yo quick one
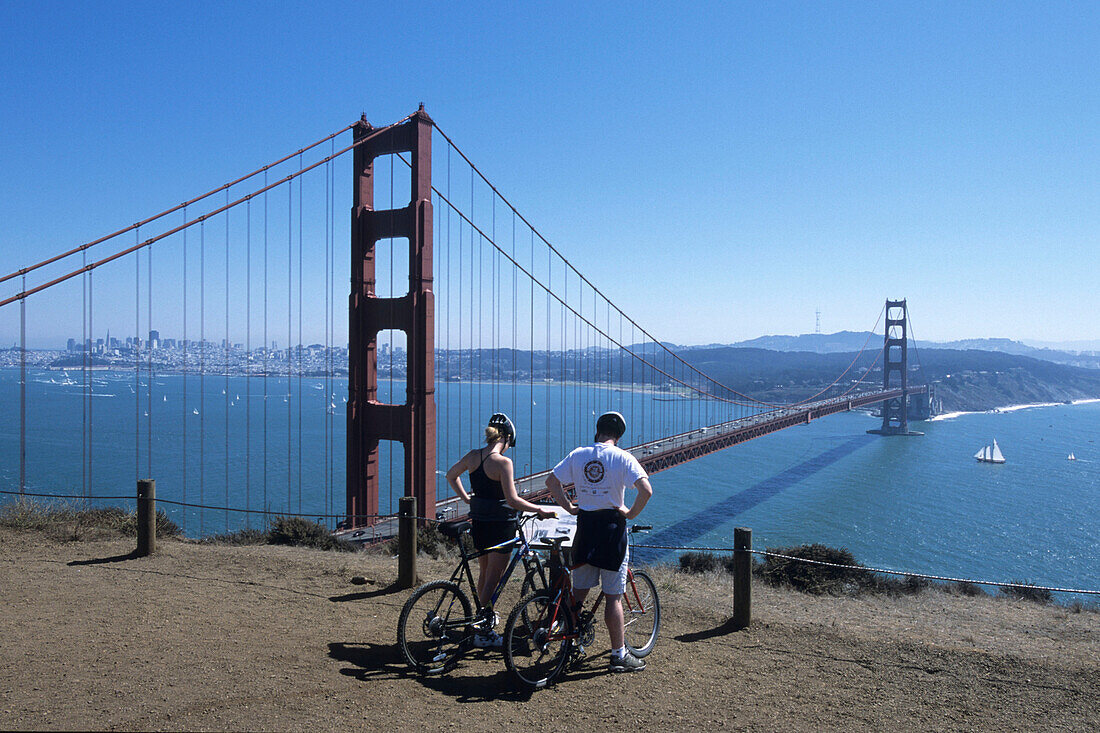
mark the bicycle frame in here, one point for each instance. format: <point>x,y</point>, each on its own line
<point>562,588</point>
<point>522,551</point>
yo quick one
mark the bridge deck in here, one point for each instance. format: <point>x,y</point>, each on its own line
<point>665,453</point>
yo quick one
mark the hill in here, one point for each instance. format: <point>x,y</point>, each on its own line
<point>852,341</point>
<point>206,637</point>
<point>964,380</point>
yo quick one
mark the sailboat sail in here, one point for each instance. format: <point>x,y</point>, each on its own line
<point>990,454</point>
<point>998,457</point>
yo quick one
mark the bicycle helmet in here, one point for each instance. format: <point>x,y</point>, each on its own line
<point>612,424</point>
<point>501,422</point>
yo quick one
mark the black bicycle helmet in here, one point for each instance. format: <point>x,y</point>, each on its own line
<point>501,422</point>
<point>612,424</point>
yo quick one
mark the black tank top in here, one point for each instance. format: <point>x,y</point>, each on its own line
<point>487,503</point>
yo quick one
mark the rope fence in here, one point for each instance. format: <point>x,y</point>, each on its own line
<point>864,568</point>
<point>673,548</point>
<point>210,507</point>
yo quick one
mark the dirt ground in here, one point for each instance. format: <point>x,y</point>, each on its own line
<point>203,637</point>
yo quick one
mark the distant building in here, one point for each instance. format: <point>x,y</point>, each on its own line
<point>154,336</point>
<point>70,345</point>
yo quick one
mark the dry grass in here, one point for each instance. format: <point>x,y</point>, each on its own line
<point>73,522</point>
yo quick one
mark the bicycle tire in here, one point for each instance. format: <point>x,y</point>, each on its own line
<point>432,630</point>
<point>533,582</point>
<point>641,624</point>
<point>536,651</point>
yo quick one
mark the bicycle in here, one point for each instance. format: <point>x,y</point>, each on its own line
<point>547,631</point>
<point>437,623</point>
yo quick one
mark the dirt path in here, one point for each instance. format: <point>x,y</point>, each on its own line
<point>275,638</point>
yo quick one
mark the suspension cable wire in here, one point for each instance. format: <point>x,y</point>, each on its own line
<point>495,287</point>
<point>390,334</point>
<point>666,353</point>
<point>449,307</point>
<point>330,396</point>
<point>136,389</point>
<point>266,343</point>
<point>23,393</point>
<point>332,322</point>
<point>200,219</point>
<point>289,338</point>
<point>913,342</point>
<point>185,345</point>
<point>91,385</point>
<point>225,388</point>
<point>149,366</point>
<point>202,374</point>
<point>174,209</point>
<point>248,361</point>
<point>531,406</point>
<point>301,455</point>
<point>84,381</point>
<point>687,365</point>
<point>477,305</point>
<point>513,308</point>
<point>564,304</point>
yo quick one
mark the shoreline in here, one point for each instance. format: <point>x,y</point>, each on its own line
<point>1010,408</point>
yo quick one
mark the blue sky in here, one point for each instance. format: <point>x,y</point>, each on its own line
<point>720,170</point>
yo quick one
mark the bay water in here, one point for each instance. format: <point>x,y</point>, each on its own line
<point>919,504</point>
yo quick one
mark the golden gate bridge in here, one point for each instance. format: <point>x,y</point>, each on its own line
<point>455,298</point>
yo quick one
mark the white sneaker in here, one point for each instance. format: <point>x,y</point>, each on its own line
<point>488,640</point>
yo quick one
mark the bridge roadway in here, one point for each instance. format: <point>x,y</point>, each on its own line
<point>665,453</point>
<point>659,455</point>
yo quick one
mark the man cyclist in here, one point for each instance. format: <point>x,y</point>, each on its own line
<point>600,473</point>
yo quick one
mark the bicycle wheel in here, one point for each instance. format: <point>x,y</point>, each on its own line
<point>432,629</point>
<point>533,582</point>
<point>641,614</point>
<point>537,640</point>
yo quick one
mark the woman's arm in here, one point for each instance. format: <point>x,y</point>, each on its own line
<point>508,484</point>
<point>454,478</point>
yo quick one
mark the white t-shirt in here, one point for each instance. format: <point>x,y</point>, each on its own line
<point>600,473</point>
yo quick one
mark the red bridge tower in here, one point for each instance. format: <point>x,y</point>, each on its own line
<point>369,421</point>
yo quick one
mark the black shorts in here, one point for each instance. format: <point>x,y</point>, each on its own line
<point>486,534</point>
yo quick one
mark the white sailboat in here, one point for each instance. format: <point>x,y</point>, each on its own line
<point>990,454</point>
<point>1071,457</point>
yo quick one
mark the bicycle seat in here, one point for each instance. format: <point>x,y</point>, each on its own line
<point>454,529</point>
<point>553,541</point>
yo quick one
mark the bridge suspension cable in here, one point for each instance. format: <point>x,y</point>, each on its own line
<point>174,209</point>
<point>186,225</point>
<point>536,233</point>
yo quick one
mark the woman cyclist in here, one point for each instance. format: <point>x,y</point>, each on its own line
<point>493,505</point>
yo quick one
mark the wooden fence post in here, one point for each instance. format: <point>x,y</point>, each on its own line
<point>742,577</point>
<point>406,542</point>
<point>146,517</point>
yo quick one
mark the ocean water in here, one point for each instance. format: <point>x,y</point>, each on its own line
<point>920,504</point>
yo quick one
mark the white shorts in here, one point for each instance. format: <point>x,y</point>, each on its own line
<point>612,582</point>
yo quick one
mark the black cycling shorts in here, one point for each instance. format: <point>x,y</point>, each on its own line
<point>486,534</point>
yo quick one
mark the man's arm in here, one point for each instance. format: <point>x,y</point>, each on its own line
<point>558,493</point>
<point>645,490</point>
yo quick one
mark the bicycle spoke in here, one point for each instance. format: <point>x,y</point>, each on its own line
<point>433,629</point>
<point>537,640</point>
<point>641,614</point>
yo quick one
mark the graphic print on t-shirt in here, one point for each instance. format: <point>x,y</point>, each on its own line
<point>594,471</point>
